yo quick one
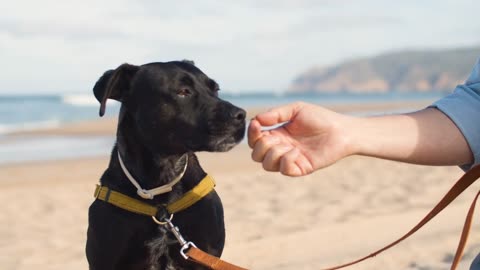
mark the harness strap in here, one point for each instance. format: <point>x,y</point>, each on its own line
<point>211,262</point>
<point>202,189</point>
<point>192,196</point>
<point>125,202</point>
<point>463,183</point>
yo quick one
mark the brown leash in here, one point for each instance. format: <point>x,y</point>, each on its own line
<point>189,250</point>
<point>196,255</point>
<point>463,183</point>
<point>209,261</point>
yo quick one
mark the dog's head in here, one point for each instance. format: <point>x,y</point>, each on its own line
<point>173,106</point>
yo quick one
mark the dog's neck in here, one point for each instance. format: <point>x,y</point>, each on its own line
<point>149,169</point>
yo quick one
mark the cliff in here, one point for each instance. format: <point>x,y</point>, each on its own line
<point>429,70</point>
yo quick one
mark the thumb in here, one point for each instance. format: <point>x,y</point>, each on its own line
<point>278,115</point>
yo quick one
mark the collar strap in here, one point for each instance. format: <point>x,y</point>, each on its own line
<point>202,189</point>
<point>150,193</point>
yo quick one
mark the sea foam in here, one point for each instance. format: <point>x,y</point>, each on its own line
<point>80,100</point>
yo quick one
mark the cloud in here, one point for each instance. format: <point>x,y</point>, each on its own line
<point>63,30</point>
<point>248,44</point>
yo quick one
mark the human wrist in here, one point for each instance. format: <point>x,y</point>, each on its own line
<point>348,133</point>
<point>359,136</point>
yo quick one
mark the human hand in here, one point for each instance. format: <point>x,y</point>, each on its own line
<point>312,138</point>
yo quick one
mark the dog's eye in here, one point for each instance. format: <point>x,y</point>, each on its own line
<point>184,92</point>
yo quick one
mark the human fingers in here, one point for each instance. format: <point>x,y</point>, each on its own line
<point>262,146</point>
<point>271,161</point>
<point>279,114</point>
<point>293,163</point>
<point>254,132</point>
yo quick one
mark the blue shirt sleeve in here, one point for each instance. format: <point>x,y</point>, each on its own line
<point>463,107</point>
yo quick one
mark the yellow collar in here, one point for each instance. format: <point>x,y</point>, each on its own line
<point>202,189</point>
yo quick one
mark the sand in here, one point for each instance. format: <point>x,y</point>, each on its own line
<point>272,221</point>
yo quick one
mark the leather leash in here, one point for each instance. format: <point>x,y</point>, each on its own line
<point>189,251</point>
<point>214,263</point>
<point>463,183</point>
<point>196,255</point>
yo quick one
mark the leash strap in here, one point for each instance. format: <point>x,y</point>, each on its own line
<point>196,255</point>
<point>463,183</point>
<point>465,233</point>
<point>189,251</point>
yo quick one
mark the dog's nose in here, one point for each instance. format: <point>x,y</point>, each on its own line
<point>238,114</point>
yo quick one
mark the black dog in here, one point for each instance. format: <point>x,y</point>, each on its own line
<point>168,110</point>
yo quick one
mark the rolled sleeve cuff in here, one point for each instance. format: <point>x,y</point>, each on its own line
<point>463,108</point>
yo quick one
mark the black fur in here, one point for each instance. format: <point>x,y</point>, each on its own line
<point>168,110</point>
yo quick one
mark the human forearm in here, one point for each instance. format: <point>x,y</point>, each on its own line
<point>425,137</point>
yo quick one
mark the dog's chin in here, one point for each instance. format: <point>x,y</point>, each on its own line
<point>224,146</point>
<point>227,142</point>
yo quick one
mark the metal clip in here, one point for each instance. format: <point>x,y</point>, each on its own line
<point>176,232</point>
<point>162,214</point>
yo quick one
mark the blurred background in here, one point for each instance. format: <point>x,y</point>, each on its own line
<point>262,53</point>
<point>365,57</point>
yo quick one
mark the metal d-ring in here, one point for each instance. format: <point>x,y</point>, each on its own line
<point>162,222</point>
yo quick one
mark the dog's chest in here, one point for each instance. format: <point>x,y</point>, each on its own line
<point>159,251</point>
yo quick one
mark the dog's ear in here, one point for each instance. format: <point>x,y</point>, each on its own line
<point>191,62</point>
<point>113,84</point>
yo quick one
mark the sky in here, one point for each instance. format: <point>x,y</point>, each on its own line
<point>62,46</point>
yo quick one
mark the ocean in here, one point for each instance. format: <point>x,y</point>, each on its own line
<point>23,112</point>
<point>26,112</point>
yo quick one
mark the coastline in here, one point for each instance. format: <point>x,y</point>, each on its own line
<point>93,138</point>
<point>107,125</point>
<point>272,221</point>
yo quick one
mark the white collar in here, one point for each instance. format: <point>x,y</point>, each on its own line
<point>149,194</point>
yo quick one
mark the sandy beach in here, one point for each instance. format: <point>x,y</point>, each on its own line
<point>273,222</point>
